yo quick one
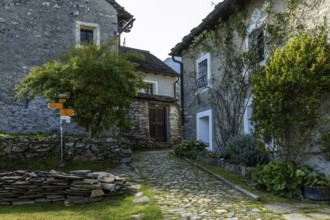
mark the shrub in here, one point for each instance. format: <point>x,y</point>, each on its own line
<point>284,179</point>
<point>325,144</point>
<point>189,148</point>
<point>243,150</point>
<point>288,93</point>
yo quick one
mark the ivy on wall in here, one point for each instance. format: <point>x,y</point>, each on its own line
<point>231,84</point>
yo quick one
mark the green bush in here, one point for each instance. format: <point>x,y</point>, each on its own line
<point>189,148</point>
<point>325,144</point>
<point>288,93</point>
<point>242,150</point>
<point>284,179</point>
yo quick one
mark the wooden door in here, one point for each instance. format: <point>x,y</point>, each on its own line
<point>157,123</point>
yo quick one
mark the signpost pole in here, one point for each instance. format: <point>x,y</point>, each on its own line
<point>61,129</point>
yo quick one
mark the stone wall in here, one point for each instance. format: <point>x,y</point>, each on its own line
<point>175,124</point>
<point>140,131</point>
<point>31,33</point>
<point>21,148</point>
<point>23,188</point>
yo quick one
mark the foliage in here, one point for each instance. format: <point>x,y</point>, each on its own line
<point>325,144</point>
<point>100,81</point>
<point>211,154</point>
<point>314,179</point>
<point>286,179</point>
<point>243,150</point>
<point>189,148</point>
<point>242,182</point>
<point>287,93</point>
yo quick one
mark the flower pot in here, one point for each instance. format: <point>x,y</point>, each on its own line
<point>317,193</point>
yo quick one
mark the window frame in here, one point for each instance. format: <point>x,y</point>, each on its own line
<point>89,27</point>
<point>199,116</point>
<point>261,25</point>
<point>205,57</point>
<point>154,89</point>
<point>256,44</point>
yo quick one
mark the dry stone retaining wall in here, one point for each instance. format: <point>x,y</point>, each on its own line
<point>114,151</point>
<point>23,188</point>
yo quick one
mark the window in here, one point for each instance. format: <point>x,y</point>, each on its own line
<point>86,36</point>
<point>87,33</point>
<point>257,44</point>
<point>150,88</point>
<point>203,71</point>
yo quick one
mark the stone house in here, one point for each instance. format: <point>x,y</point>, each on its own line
<point>203,64</point>
<point>155,110</point>
<point>33,32</point>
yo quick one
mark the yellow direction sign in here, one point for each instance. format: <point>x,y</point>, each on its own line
<point>61,100</point>
<point>66,112</point>
<point>55,105</point>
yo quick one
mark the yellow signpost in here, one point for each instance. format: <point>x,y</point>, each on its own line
<point>55,105</point>
<point>66,112</point>
<point>65,115</point>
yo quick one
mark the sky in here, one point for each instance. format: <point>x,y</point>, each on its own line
<point>161,24</point>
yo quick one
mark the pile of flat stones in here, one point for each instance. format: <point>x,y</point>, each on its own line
<point>81,186</point>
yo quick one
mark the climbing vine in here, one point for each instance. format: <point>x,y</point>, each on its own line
<point>231,86</point>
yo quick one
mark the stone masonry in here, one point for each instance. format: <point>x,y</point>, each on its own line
<point>22,148</point>
<point>31,33</point>
<point>81,186</point>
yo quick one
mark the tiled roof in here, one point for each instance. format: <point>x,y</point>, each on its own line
<point>122,13</point>
<point>150,63</point>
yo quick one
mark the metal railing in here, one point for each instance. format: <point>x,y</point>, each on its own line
<point>202,81</point>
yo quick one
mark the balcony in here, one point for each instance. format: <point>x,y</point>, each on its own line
<point>202,81</point>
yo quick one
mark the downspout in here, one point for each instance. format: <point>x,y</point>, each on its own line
<point>181,96</point>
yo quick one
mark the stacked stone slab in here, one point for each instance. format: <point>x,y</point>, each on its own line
<point>22,188</point>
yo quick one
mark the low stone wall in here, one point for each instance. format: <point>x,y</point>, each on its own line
<point>23,188</point>
<point>114,151</point>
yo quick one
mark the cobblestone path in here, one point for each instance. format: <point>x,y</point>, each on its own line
<point>185,192</point>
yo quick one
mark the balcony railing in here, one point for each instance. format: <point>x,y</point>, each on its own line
<point>202,81</point>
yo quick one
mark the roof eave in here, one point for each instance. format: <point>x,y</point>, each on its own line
<point>223,10</point>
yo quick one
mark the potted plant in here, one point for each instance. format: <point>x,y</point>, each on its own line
<point>317,187</point>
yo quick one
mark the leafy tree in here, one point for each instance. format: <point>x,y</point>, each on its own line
<point>288,91</point>
<point>102,84</point>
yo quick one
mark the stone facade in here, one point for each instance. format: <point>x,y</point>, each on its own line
<point>33,32</point>
<point>81,186</point>
<point>140,130</point>
<point>22,148</point>
<point>197,106</point>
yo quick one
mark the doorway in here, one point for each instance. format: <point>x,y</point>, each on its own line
<point>157,123</point>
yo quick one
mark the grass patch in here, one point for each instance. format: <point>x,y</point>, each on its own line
<point>47,164</point>
<point>242,182</point>
<point>117,208</point>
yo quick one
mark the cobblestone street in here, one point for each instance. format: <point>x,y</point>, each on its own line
<point>183,191</point>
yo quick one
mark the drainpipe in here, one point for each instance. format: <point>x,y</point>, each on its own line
<point>181,96</point>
